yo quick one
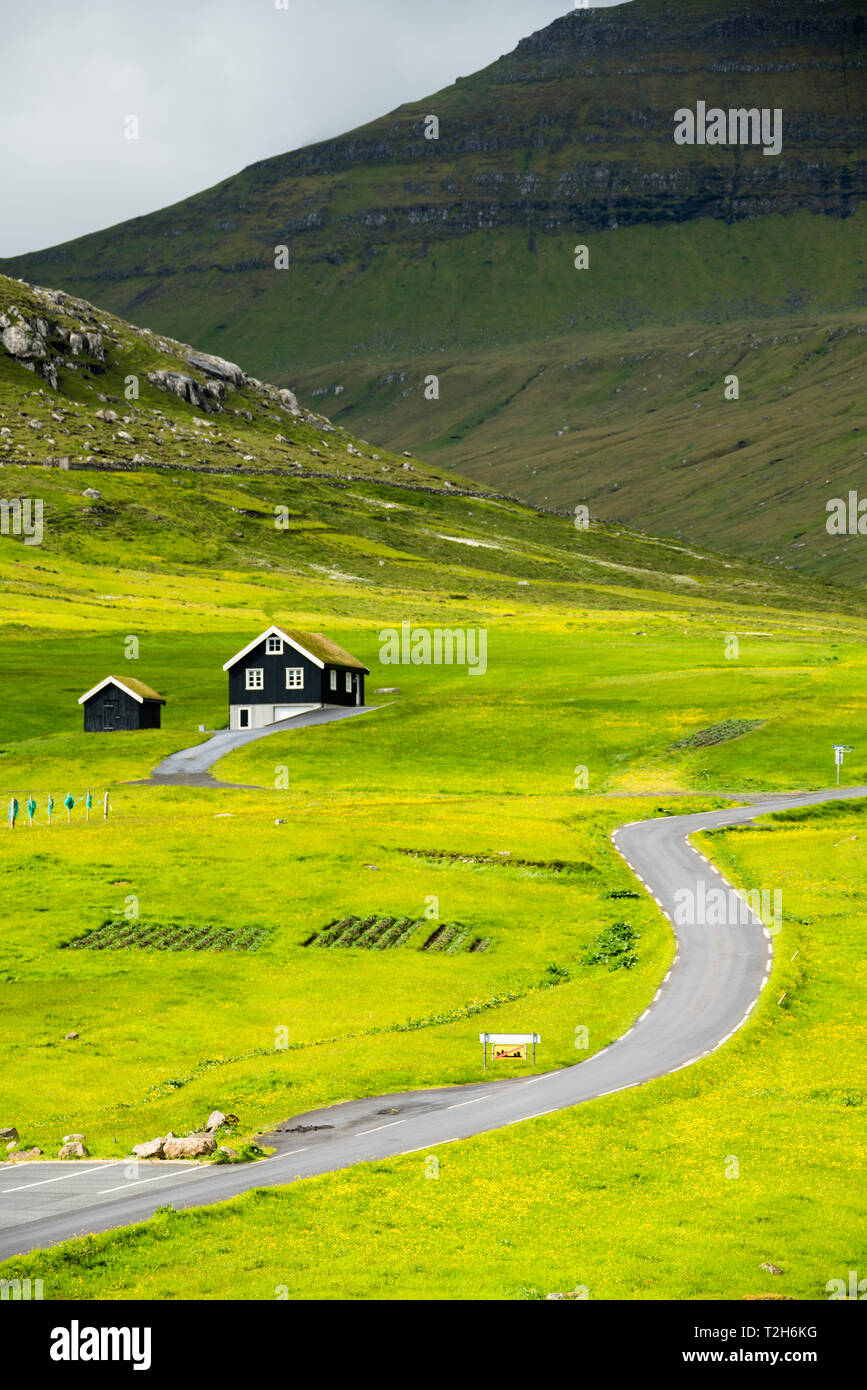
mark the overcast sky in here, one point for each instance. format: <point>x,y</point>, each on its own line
<point>215,85</point>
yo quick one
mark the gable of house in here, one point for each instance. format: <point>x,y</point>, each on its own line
<point>313,645</point>
<point>268,675</point>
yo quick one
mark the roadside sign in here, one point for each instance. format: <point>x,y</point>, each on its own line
<point>839,750</point>
<point>508,1046</point>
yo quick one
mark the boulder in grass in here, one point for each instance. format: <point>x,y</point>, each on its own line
<point>24,1155</point>
<point>153,1148</point>
<point>69,1037</point>
<point>73,1138</point>
<point>73,1150</point>
<point>195,1146</point>
<point>230,1155</point>
<point>216,1120</point>
<point>9,1135</point>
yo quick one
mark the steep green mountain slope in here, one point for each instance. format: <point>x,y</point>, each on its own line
<point>132,439</point>
<point>639,429</point>
<point>409,256</point>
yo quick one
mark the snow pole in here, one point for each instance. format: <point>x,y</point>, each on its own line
<point>105,807</point>
<point>88,804</point>
<point>13,813</point>
<point>50,808</point>
<point>30,805</point>
<point>69,802</point>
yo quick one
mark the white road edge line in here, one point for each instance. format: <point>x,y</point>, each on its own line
<point>138,1182</point>
<point>377,1128</point>
<point>61,1177</point>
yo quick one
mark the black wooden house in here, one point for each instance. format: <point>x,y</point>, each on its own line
<point>117,705</point>
<point>282,673</point>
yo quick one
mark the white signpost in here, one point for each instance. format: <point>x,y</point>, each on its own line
<point>839,750</point>
<point>509,1040</point>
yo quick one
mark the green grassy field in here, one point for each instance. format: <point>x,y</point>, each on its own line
<point>682,1188</point>
<point>275,1032</point>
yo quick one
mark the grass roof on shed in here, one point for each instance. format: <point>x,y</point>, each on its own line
<point>137,686</point>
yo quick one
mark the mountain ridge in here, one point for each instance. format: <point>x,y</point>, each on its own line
<point>593,147</point>
<point>408,257</point>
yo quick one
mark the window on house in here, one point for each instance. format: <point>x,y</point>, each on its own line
<point>348,683</point>
<point>333,680</point>
<point>255,679</point>
<point>294,677</point>
<point>274,646</point>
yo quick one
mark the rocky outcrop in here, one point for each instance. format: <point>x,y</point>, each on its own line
<point>43,345</point>
<point>72,335</point>
<point>225,377</point>
<point>25,340</point>
<point>205,395</point>
<point>218,367</point>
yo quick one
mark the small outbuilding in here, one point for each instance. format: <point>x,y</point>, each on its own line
<point>117,705</point>
<point>283,673</point>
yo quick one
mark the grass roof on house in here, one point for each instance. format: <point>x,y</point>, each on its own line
<point>323,648</point>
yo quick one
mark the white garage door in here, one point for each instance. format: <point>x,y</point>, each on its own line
<point>290,711</point>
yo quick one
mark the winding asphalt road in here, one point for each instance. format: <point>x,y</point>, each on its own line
<point>191,766</point>
<point>709,993</point>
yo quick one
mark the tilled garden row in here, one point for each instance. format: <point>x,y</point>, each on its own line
<point>381,933</point>
<point>502,860</point>
<point>167,936</point>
